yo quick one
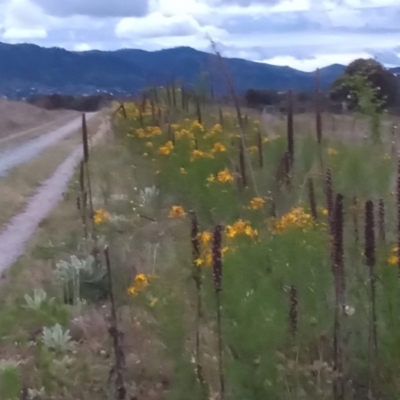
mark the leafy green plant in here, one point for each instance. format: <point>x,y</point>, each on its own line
<point>36,301</point>
<point>82,279</point>
<point>56,338</point>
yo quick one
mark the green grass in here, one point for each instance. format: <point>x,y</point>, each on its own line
<point>262,358</point>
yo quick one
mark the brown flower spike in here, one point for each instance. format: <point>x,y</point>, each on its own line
<point>217,258</point>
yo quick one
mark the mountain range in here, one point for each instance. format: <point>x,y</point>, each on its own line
<point>28,69</point>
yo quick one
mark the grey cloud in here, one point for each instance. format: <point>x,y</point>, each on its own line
<point>94,8</point>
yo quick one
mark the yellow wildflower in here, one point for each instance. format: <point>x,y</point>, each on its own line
<point>218,148</point>
<point>205,237</point>
<point>296,218</point>
<point>332,152</point>
<point>177,212</point>
<point>196,154</point>
<point>166,149</point>
<point>223,176</point>
<point>256,203</point>
<point>182,170</point>
<point>240,227</point>
<point>101,216</point>
<point>140,283</point>
<point>149,144</point>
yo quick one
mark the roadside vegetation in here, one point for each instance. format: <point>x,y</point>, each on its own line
<point>202,253</point>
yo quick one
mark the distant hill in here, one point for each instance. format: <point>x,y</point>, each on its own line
<point>27,69</point>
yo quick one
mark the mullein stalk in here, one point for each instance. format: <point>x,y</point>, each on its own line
<point>355,220</point>
<point>340,287</point>
<point>83,202</point>
<point>290,128</point>
<point>183,101</point>
<point>293,313</point>
<point>381,219</point>
<point>329,197</point>
<point>168,96</point>
<point>85,141</point>
<point>370,259</point>
<point>311,196</point>
<point>242,164</point>
<point>198,111</point>
<point>173,93</point>
<point>196,270</point>
<point>221,117</point>
<point>116,337</point>
<point>235,100</point>
<point>260,149</point>
<point>153,111</point>
<point>217,279</point>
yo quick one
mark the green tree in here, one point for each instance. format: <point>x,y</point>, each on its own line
<point>384,83</point>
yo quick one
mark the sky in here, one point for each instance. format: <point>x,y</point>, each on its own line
<point>303,34</point>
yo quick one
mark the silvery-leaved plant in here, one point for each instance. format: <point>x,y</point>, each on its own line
<point>56,338</point>
<point>148,195</point>
<point>36,301</point>
<point>34,393</point>
<point>82,279</point>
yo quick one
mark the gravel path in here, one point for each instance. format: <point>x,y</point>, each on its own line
<point>21,227</point>
<point>21,154</point>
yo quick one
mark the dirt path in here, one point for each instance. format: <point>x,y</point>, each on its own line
<point>20,228</point>
<point>12,157</point>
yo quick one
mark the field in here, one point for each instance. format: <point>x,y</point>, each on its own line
<point>226,258</point>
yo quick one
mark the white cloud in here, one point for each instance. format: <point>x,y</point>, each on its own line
<point>300,33</point>
<point>312,64</point>
<point>82,47</point>
<point>157,25</point>
<point>18,33</point>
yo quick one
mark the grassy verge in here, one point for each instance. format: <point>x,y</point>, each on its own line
<point>294,317</point>
<point>22,181</point>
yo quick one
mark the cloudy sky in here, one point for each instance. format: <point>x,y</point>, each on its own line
<point>304,34</point>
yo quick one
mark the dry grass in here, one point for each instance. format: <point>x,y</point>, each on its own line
<point>22,181</point>
<point>16,116</point>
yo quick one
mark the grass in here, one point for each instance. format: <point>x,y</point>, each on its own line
<point>288,328</point>
<point>22,181</point>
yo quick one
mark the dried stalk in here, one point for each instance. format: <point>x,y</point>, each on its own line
<point>199,308</point>
<point>217,279</point>
<point>116,336</point>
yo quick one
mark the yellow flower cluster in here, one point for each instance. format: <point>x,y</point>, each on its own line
<point>256,203</point>
<point>218,148</point>
<point>101,215</point>
<point>241,227</point>
<point>224,176</point>
<point>196,126</point>
<point>393,260</point>
<point>296,218</point>
<point>184,133</point>
<point>166,149</point>
<point>140,284</point>
<point>177,212</point>
<point>148,132</point>
<point>196,154</point>
<point>205,259</point>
